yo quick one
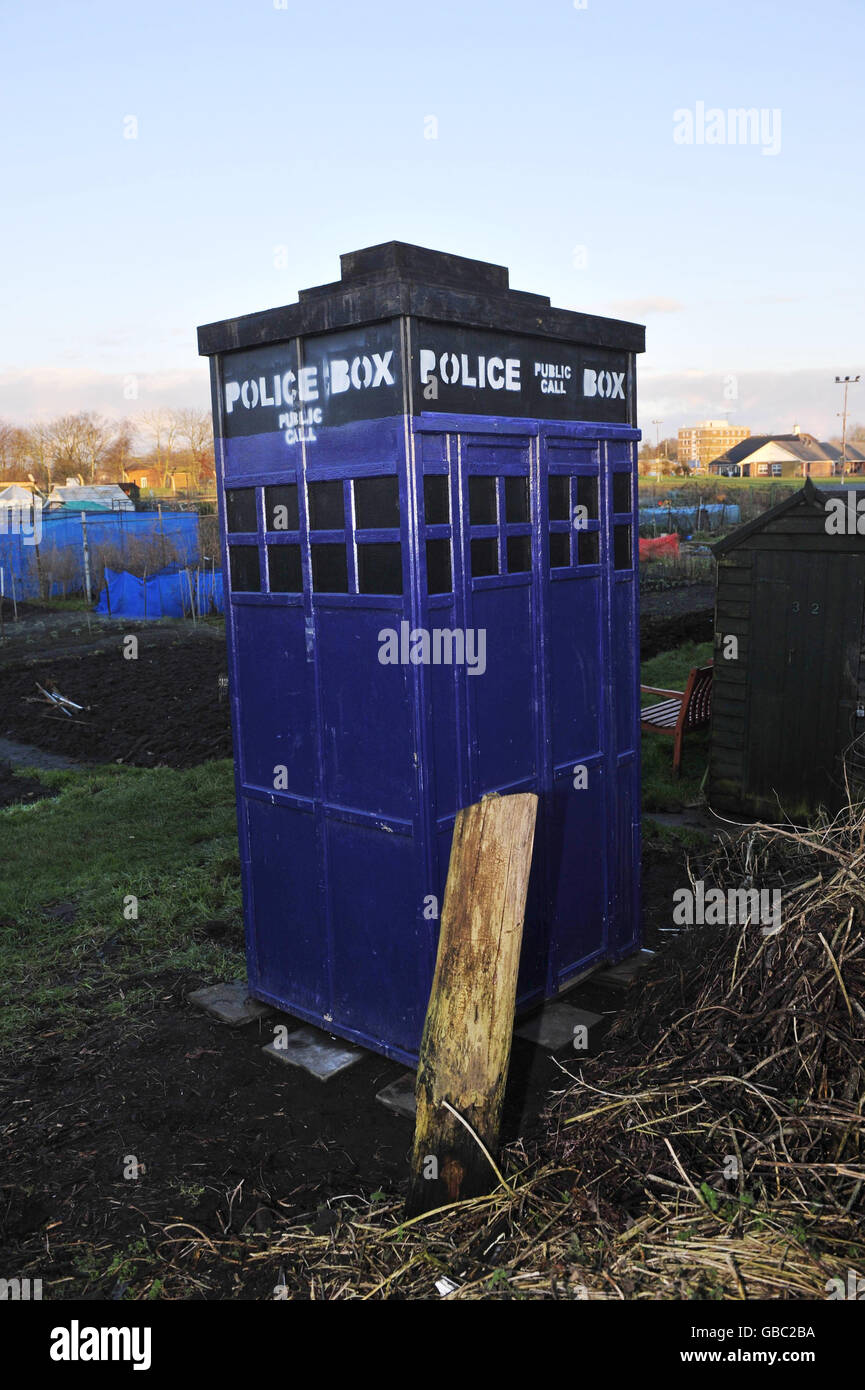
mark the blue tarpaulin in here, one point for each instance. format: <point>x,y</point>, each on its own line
<point>711,516</point>
<point>169,594</point>
<point>56,547</point>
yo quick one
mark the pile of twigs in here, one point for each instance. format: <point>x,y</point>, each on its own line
<point>715,1150</point>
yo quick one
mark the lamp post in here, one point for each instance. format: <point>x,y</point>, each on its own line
<point>657,424</point>
<point>846,382</point>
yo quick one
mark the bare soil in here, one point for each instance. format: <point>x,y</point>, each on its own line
<point>230,1142</point>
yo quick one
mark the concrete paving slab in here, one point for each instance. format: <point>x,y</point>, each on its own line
<point>315,1052</point>
<point>622,975</point>
<point>554,1026</point>
<point>230,1003</point>
<point>400,1096</point>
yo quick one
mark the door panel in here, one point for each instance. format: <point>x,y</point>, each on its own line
<point>806,617</point>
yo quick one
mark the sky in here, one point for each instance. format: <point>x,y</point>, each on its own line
<point>172,163</point>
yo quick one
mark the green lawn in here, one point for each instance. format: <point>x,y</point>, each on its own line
<point>661,791</point>
<point>70,948</point>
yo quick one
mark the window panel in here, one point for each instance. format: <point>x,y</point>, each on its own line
<point>485,557</point>
<point>240,510</point>
<point>588,548</point>
<point>587,495</point>
<point>516,499</point>
<point>244,569</point>
<point>379,568</point>
<point>519,554</point>
<point>329,569</point>
<point>284,569</point>
<point>326,510</point>
<point>560,550</point>
<point>435,499</point>
<point>438,567</point>
<point>376,502</point>
<point>622,547</point>
<point>558,491</point>
<point>482,501</point>
<point>621,492</point>
<point>280,508</point>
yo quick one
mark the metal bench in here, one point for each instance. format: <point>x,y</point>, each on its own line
<point>682,710</point>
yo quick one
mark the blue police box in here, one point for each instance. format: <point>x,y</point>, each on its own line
<point>427,501</point>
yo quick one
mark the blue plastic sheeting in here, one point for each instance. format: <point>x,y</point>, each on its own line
<point>168,594</point>
<point>61,535</point>
<point>712,516</point>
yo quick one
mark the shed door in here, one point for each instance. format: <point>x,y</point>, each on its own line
<point>806,621</point>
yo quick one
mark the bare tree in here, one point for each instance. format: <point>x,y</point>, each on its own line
<point>195,428</point>
<point>161,426</point>
<point>79,443</point>
<point>13,450</point>
<point>118,455</point>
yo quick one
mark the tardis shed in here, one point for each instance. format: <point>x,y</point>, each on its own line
<point>427,499</point>
<point>788,706</point>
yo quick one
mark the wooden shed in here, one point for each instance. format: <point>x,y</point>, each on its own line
<point>788,708</point>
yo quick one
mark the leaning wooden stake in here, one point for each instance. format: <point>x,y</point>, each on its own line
<point>466,1043</point>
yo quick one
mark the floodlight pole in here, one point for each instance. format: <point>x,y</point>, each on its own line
<point>844,381</point>
<point>657,424</point>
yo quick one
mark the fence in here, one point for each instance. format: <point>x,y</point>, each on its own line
<point>56,566</point>
<point>173,593</point>
<point>705,516</point>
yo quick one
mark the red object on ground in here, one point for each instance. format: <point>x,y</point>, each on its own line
<point>659,545</point>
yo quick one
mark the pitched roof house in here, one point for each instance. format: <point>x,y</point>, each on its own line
<point>783,456</point>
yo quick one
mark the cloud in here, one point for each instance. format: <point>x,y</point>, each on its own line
<point>639,308</point>
<point>767,402</point>
<point>43,392</point>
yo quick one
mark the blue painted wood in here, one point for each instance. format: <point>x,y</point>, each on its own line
<point>344,853</point>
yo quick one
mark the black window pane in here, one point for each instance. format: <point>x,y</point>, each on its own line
<point>435,500</point>
<point>587,496</point>
<point>379,569</point>
<point>284,568</point>
<point>438,567</point>
<point>326,511</point>
<point>588,547</point>
<point>280,508</point>
<point>516,499</point>
<point>485,557</point>
<point>519,554</point>
<point>245,569</point>
<point>560,550</point>
<point>482,501</point>
<point>622,547</point>
<point>376,503</point>
<point>621,492</point>
<point>558,490</point>
<point>329,569</point>
<point>240,509</point>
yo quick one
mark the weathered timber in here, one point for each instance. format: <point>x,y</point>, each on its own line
<point>466,1043</point>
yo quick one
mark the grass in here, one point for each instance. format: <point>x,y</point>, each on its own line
<point>105,887</point>
<point>64,605</point>
<point>661,791</point>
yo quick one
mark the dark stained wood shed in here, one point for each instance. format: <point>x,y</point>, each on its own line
<point>788,707</point>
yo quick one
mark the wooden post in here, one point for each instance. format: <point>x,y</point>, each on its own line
<point>466,1045</point>
<point>39,573</point>
<point>86,552</point>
